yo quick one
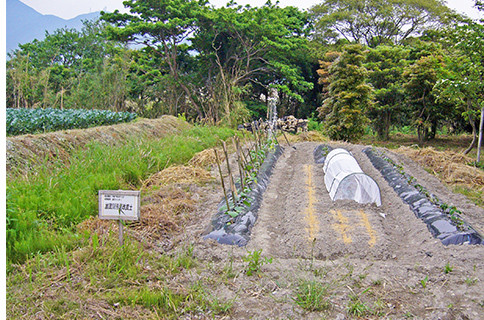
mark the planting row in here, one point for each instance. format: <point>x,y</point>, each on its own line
<point>237,213</point>
<point>28,121</point>
<point>443,221</point>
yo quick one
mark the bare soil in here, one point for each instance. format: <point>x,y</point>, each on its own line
<point>376,262</point>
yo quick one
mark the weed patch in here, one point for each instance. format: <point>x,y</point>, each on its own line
<point>45,206</point>
<point>313,296</point>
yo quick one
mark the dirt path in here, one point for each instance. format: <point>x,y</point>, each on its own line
<point>375,262</point>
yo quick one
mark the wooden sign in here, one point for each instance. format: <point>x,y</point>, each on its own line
<point>119,205</point>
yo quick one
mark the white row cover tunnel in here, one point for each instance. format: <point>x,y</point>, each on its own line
<point>344,179</point>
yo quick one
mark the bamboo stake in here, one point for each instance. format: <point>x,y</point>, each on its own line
<point>244,158</point>
<point>232,184</point>
<point>285,137</point>
<point>222,179</point>
<point>239,162</point>
<point>275,138</point>
<point>479,144</point>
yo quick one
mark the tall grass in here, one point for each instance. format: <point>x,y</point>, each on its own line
<point>44,207</point>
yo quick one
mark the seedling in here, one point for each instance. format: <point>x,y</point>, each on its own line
<point>448,268</point>
<point>424,281</point>
<point>471,281</point>
<point>255,262</point>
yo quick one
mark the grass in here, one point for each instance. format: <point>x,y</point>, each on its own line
<point>456,143</point>
<point>44,206</point>
<point>103,279</point>
<point>476,196</point>
<point>448,268</point>
<point>313,296</point>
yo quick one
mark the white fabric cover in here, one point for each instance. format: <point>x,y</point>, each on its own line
<point>344,179</point>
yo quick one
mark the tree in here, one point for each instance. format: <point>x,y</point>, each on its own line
<point>164,26</point>
<point>54,72</point>
<point>375,22</point>
<point>246,49</point>
<point>420,79</point>
<point>468,66</point>
<point>349,96</point>
<point>385,65</point>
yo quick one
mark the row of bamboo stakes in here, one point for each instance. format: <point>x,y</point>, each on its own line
<point>242,160</point>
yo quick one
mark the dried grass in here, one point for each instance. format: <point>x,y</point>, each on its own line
<point>96,225</point>
<point>22,151</point>
<point>178,174</point>
<point>450,166</point>
<point>313,136</point>
<point>164,211</point>
<point>206,158</point>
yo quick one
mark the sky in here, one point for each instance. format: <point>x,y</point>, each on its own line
<point>68,9</point>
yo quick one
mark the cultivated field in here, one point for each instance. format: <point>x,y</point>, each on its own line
<point>308,257</point>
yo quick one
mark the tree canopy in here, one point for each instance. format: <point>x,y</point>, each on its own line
<point>375,22</point>
<point>386,64</point>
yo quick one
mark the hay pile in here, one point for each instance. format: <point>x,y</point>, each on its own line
<point>450,166</point>
<point>24,151</point>
<point>206,158</point>
<point>313,136</point>
<point>178,174</point>
<point>164,211</point>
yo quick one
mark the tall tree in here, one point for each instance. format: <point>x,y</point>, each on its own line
<point>244,47</point>
<point>46,73</point>
<point>385,65</point>
<point>420,79</point>
<point>349,96</point>
<point>375,22</point>
<point>467,39</point>
<point>164,26</point>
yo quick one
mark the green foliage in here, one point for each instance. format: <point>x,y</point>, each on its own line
<point>377,22</point>
<point>45,206</point>
<point>386,65</point>
<point>349,96</point>
<point>315,125</point>
<point>255,158</point>
<point>420,79</point>
<point>257,109</point>
<point>424,282</point>
<point>255,262</point>
<point>448,268</point>
<point>312,296</point>
<point>357,307</point>
<point>66,68</point>
<point>28,121</point>
<point>275,54</point>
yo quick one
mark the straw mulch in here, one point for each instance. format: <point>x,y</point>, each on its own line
<point>178,174</point>
<point>207,158</point>
<point>164,211</point>
<point>450,166</point>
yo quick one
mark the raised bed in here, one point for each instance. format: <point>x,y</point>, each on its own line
<point>236,230</point>
<point>443,221</point>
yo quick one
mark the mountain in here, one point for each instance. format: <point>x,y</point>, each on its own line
<point>24,24</point>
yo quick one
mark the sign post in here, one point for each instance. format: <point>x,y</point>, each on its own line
<point>119,205</point>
